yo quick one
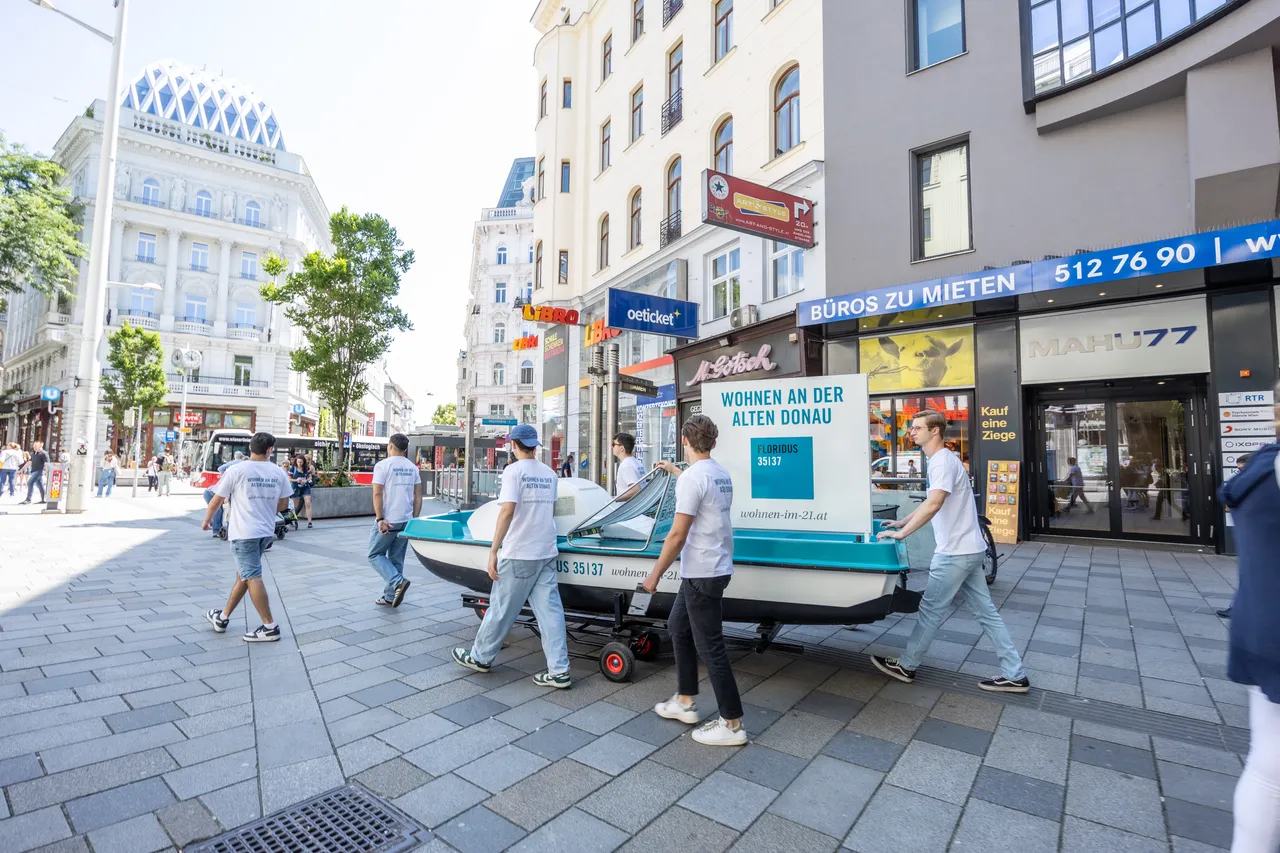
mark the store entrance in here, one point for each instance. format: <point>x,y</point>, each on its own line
<point>1122,460</point>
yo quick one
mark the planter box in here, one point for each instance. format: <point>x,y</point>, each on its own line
<point>344,502</point>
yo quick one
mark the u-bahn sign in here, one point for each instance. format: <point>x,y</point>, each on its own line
<point>740,205</point>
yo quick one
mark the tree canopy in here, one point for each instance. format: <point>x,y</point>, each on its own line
<point>446,413</point>
<point>39,224</point>
<point>137,376</point>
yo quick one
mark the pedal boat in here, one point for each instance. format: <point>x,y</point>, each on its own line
<point>608,546</point>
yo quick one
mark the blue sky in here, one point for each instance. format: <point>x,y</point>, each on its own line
<point>413,109</point>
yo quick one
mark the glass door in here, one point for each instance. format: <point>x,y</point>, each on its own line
<point>1153,482</point>
<point>1077,466</point>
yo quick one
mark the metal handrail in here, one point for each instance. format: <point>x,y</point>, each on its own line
<point>137,312</point>
<point>669,230</point>
<point>669,10</point>
<point>147,259</point>
<point>673,110</point>
<point>219,380</point>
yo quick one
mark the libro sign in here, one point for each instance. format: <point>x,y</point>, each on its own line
<point>597,333</point>
<point>740,205</point>
<point>527,342</point>
<point>656,315</point>
<point>547,314</point>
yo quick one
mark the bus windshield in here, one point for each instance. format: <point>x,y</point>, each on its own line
<point>223,449</point>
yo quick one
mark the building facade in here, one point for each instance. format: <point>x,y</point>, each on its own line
<point>635,104</point>
<point>205,189</point>
<point>1036,239</point>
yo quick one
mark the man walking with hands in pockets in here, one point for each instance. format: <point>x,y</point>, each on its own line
<point>397,499</point>
<point>956,568</point>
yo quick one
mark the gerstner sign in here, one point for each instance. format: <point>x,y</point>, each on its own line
<point>740,205</point>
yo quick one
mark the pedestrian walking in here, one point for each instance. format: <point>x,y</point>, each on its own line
<point>24,470</point>
<point>956,568</point>
<point>209,493</point>
<point>1075,477</point>
<point>165,477</point>
<point>397,500</point>
<point>702,536</point>
<point>36,465</point>
<point>1253,646</point>
<point>153,476</point>
<point>566,467</point>
<point>107,476</point>
<point>522,565</point>
<point>1242,462</point>
<point>1159,488</point>
<point>630,469</point>
<point>303,477</point>
<point>10,461</point>
<point>257,490</point>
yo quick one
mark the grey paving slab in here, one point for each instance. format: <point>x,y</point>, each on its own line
<point>771,833</point>
<point>1028,753</point>
<point>502,768</point>
<point>1192,755</point>
<point>216,721</point>
<point>612,753</point>
<point>214,774</point>
<point>554,741</point>
<point>1115,799</point>
<point>695,831</point>
<point>972,711</point>
<point>139,835</point>
<point>375,721</point>
<point>537,799</point>
<point>868,751</point>
<point>152,715</point>
<point>1198,822</point>
<point>472,710</point>
<point>1023,793</point>
<point>291,744</point>
<point>1125,759</point>
<point>28,831</point>
<point>650,728</point>
<point>462,746</point>
<point>210,746</point>
<point>942,773</point>
<point>827,796</point>
<point>127,801</point>
<point>898,819</point>
<point>187,822</point>
<point>636,797</point>
<point>730,800</point>
<point>1081,836</point>
<point>82,781</point>
<point>20,768</point>
<point>799,733</point>
<point>272,711</point>
<point>479,830</point>
<point>292,783</point>
<point>573,830</point>
<point>1193,785</point>
<point>764,766</point>
<point>235,804</point>
<point>954,736</point>
<point>889,720</point>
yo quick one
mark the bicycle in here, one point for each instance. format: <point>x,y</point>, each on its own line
<point>991,559</point>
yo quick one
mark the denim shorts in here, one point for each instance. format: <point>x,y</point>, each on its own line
<point>248,554</point>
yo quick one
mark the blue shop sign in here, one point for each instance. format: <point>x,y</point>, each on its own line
<point>666,394</point>
<point>50,393</point>
<point>1196,251</point>
<point>654,315</point>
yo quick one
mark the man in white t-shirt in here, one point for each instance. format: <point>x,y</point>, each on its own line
<point>522,565</point>
<point>630,469</point>
<point>702,536</point>
<point>956,568</point>
<point>257,490</point>
<point>397,500</point>
<point>10,461</point>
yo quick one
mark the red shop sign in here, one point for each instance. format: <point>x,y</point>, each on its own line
<point>740,205</point>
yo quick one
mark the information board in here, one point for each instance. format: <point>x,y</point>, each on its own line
<point>1003,480</point>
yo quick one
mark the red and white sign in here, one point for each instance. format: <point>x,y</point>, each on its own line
<point>740,205</point>
<point>732,365</point>
<point>192,418</point>
<point>370,424</point>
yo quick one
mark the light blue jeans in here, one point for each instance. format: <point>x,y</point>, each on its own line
<point>386,555</point>
<point>217,516</point>
<point>961,575</point>
<point>107,480</point>
<point>518,581</point>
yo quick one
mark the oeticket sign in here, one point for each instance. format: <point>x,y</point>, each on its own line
<point>740,205</point>
<point>1003,480</point>
<point>777,440</point>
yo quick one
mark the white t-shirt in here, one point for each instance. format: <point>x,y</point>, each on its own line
<point>397,476</point>
<point>630,472</point>
<point>112,464</point>
<point>531,486</point>
<point>955,527</point>
<point>705,491</point>
<point>255,490</point>
<point>10,460</point>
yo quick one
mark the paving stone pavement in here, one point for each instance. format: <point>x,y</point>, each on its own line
<point>127,724</point>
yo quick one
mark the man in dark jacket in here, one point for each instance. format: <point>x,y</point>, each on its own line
<point>1241,461</point>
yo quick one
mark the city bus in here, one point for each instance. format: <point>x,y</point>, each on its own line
<point>221,447</point>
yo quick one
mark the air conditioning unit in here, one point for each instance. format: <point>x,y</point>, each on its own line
<point>744,316</point>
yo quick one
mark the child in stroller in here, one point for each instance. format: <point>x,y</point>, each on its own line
<point>284,520</point>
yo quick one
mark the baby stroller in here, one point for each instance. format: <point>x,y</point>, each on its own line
<point>284,520</point>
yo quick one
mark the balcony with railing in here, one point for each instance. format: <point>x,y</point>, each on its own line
<point>249,276</point>
<point>669,230</point>
<point>198,267</point>
<point>519,212</point>
<point>57,318</point>
<point>222,386</point>
<point>193,326</point>
<point>244,332</point>
<point>149,201</point>
<point>252,223</point>
<point>140,318</point>
<point>206,212</point>
<point>145,259</point>
<point>670,8</point>
<point>672,111</point>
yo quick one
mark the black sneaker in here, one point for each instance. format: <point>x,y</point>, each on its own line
<point>401,589</point>
<point>891,668</point>
<point>1224,613</point>
<point>1006,685</point>
<point>262,634</point>
<point>215,619</point>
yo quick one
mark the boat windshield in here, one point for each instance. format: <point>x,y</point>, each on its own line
<point>634,523</point>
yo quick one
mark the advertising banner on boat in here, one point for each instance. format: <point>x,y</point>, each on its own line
<point>797,451</point>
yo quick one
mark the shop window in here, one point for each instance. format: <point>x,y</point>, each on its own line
<point>942,201</point>
<point>213,419</point>
<point>238,420</point>
<point>160,417</point>
<point>896,462</point>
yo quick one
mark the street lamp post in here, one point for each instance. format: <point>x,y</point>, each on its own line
<point>186,360</point>
<point>84,400</point>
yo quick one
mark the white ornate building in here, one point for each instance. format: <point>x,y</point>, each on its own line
<point>205,189</point>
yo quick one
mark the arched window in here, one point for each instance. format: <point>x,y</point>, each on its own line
<point>673,188</point>
<point>252,214</point>
<point>786,112</point>
<point>499,291</point>
<point>499,374</point>
<point>603,259</point>
<point>502,254</point>
<point>537,266</point>
<point>724,147</point>
<point>151,192</point>
<point>204,203</point>
<point>633,237</point>
<point>526,372</point>
<point>499,333</point>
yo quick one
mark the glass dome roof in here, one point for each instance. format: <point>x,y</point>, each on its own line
<point>200,99</point>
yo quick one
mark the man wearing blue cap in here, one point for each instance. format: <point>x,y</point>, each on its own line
<point>522,565</point>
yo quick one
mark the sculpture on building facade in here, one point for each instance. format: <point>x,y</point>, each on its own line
<point>178,198</point>
<point>122,182</point>
<point>278,203</point>
<point>229,206</point>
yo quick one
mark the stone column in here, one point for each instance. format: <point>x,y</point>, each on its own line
<point>170,280</point>
<point>224,289</point>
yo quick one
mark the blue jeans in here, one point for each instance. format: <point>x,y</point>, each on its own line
<point>107,480</point>
<point>217,516</point>
<point>36,479</point>
<point>9,474</point>
<point>248,554</point>
<point>518,581</point>
<point>386,555</point>
<point>949,576</point>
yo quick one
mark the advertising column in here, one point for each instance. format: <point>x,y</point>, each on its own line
<point>999,477</point>
<point>555,378</point>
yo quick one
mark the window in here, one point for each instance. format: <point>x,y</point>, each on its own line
<point>243,369</point>
<point>200,257</point>
<point>942,202</point>
<point>606,58</point>
<point>637,20</point>
<point>530,253</point>
<point>726,288</point>
<point>246,315</point>
<point>528,413</point>
<point>542,100</point>
<point>526,372</point>
<point>502,255</point>
<point>564,267</point>
<point>542,179</point>
<point>937,31</point>
<point>499,333</point>
<point>147,247</point>
<point>673,188</point>
<point>500,292</point>
<point>566,100</point>
<point>151,192</point>
<point>786,269</point>
<point>497,409</point>
<point>253,214</point>
<point>204,204</point>
<point>724,147</point>
<point>537,266</point>
<point>528,295</point>
<point>196,310</point>
<point>637,113</point>
<point>606,141</point>
<point>675,70</point>
<point>603,249</point>
<point>634,235</point>
<point>564,176</point>
<point>786,112</point>
<point>499,374</point>
<point>724,28</point>
<point>249,266</point>
<point>142,303</point>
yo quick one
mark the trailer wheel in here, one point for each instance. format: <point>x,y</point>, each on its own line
<point>280,532</point>
<point>647,646</point>
<point>617,662</point>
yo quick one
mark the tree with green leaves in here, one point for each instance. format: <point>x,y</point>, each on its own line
<point>343,305</point>
<point>137,377</point>
<point>39,224</point>
<point>446,414</point>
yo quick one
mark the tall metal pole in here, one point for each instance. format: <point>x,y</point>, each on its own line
<point>182,418</point>
<point>84,402</point>
<point>137,450</point>
<point>596,372</point>
<point>611,412</point>
<point>467,465</point>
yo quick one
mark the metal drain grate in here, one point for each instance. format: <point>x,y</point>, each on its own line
<point>350,819</point>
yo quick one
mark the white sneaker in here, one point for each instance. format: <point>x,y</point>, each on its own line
<point>673,710</point>
<point>718,733</point>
